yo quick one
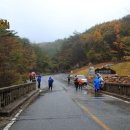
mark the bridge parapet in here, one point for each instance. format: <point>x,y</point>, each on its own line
<point>117,88</point>
<point>10,94</point>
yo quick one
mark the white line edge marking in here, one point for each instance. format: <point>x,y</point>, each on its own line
<point>118,99</point>
<point>13,120</point>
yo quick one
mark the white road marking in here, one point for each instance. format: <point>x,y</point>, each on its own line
<point>13,120</point>
<point>118,99</point>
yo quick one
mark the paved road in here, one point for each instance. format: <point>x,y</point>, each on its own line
<point>66,109</point>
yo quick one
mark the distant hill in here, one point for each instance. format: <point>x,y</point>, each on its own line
<point>51,48</point>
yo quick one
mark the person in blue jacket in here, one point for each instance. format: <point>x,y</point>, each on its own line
<point>68,77</point>
<point>39,80</point>
<point>50,83</point>
<point>96,84</point>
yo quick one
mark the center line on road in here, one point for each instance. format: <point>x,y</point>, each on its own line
<point>94,117</point>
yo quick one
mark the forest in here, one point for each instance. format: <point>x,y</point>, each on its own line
<point>108,41</point>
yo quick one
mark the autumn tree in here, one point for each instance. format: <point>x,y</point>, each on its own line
<point>15,59</point>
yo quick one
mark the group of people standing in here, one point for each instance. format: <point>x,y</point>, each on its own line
<point>50,82</point>
<point>98,82</point>
<point>78,83</point>
<point>32,76</point>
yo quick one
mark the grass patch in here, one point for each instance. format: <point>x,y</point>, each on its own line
<point>122,68</point>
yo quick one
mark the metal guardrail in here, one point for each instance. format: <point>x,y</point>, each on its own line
<point>12,93</point>
<point>117,88</point>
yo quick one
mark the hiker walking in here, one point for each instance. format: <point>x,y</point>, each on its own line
<point>80,84</point>
<point>50,83</point>
<point>96,84</point>
<point>39,80</point>
<point>68,77</point>
<point>76,82</point>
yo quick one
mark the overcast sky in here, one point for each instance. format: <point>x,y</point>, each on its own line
<point>49,20</point>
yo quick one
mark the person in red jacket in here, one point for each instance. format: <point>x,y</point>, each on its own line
<point>80,83</point>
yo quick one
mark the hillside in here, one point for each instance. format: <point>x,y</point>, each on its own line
<point>122,69</point>
<point>105,42</point>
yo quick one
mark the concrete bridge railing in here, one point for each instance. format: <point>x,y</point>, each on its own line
<point>10,94</point>
<point>117,88</point>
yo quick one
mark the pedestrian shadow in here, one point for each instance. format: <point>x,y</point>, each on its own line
<point>91,93</point>
<point>98,94</point>
<point>54,91</point>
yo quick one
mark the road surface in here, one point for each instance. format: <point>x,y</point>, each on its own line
<point>65,109</point>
